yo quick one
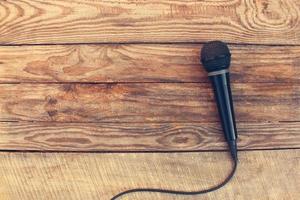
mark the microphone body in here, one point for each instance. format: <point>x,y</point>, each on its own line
<point>222,92</point>
<point>216,57</point>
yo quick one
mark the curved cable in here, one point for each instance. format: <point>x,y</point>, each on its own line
<point>165,191</point>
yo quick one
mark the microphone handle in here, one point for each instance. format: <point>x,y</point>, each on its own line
<point>222,91</point>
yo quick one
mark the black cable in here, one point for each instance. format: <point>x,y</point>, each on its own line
<point>229,177</point>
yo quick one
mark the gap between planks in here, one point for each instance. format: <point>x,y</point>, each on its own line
<point>146,43</point>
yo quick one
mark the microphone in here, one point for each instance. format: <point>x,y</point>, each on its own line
<point>215,57</point>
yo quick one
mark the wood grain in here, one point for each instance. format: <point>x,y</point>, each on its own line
<point>142,63</point>
<point>271,174</point>
<point>80,77</point>
<point>89,21</point>
<point>96,137</point>
<point>159,102</point>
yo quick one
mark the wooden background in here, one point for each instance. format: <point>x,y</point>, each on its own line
<point>98,97</point>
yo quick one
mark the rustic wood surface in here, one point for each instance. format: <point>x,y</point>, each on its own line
<point>142,63</point>
<point>143,137</point>
<point>80,79</point>
<point>261,175</point>
<point>145,102</point>
<point>89,21</point>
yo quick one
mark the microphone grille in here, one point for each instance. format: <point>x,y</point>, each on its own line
<point>215,56</point>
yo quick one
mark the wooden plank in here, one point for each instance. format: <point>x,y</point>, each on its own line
<point>157,102</point>
<point>88,21</point>
<point>260,175</point>
<point>95,137</point>
<point>142,63</point>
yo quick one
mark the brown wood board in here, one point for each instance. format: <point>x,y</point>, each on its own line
<point>88,21</point>
<point>142,63</point>
<point>99,137</point>
<point>155,102</point>
<point>261,175</point>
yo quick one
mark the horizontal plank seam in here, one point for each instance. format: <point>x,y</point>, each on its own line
<point>136,122</point>
<point>292,121</point>
<point>145,151</point>
<point>134,83</point>
<point>132,122</point>
<point>143,43</point>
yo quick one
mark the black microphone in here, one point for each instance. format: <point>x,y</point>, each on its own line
<point>215,57</point>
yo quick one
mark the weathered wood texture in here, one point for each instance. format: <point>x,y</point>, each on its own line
<point>261,175</point>
<point>142,63</point>
<point>88,21</point>
<point>149,96</point>
<point>155,102</point>
<point>143,137</point>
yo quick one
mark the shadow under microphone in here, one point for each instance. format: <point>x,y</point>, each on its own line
<point>216,57</point>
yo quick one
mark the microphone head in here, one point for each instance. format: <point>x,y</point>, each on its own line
<point>215,56</point>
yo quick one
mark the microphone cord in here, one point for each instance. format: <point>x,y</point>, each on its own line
<point>178,192</point>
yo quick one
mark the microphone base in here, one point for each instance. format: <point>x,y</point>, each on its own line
<point>233,149</point>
